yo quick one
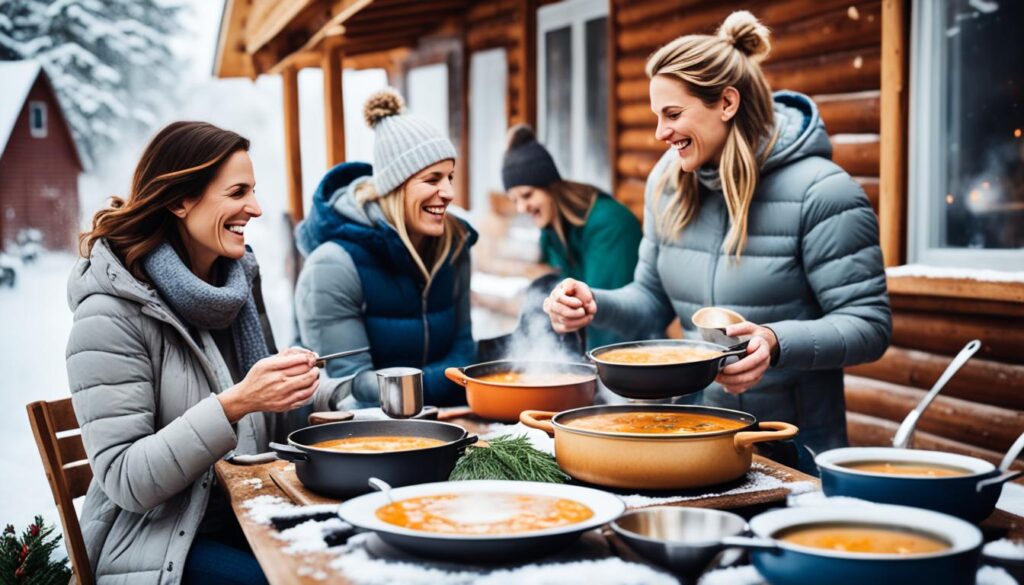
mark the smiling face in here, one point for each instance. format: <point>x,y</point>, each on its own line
<point>696,131</point>
<point>427,195</point>
<point>534,201</point>
<point>213,224</point>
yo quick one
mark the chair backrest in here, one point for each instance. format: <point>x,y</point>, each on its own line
<point>67,470</point>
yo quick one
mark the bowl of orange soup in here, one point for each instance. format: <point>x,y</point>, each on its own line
<point>482,521</point>
<point>661,368</point>
<point>966,487</point>
<point>844,544</point>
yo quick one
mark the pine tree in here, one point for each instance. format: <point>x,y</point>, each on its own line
<point>109,60</point>
<point>29,560</point>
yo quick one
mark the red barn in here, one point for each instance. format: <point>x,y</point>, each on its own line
<point>39,162</point>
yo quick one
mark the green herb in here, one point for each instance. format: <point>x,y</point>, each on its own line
<point>508,458</point>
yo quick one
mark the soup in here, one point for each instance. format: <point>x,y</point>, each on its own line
<point>663,423</point>
<point>657,354</point>
<point>377,444</point>
<point>909,468</point>
<point>863,538</point>
<point>534,378</point>
<point>483,513</point>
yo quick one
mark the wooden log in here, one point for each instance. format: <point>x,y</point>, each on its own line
<point>636,165</point>
<point>483,11</point>
<point>631,66</point>
<point>856,153</point>
<point>648,38</point>
<point>869,431</point>
<point>491,34</point>
<point>292,150</point>
<point>830,32</point>
<point>641,140</point>
<point>850,113</point>
<point>835,73</point>
<point>990,427</point>
<point>636,115</point>
<point>632,12</point>
<point>953,306</point>
<point>334,108</point>
<point>870,186</point>
<point>1002,338</point>
<point>632,90</point>
<point>961,288</point>
<point>630,191</point>
<point>895,84</point>
<point>979,380</point>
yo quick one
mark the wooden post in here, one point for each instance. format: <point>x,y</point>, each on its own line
<point>462,194</point>
<point>613,102</point>
<point>292,150</point>
<point>893,170</point>
<point>334,108</point>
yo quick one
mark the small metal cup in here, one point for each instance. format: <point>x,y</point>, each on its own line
<point>712,321</point>
<point>401,391</point>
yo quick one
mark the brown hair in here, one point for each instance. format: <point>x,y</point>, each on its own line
<point>706,65</point>
<point>177,165</point>
<point>573,203</point>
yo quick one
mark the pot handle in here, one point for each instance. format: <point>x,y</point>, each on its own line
<point>751,543</point>
<point>997,480</point>
<point>289,453</point>
<point>739,350</point>
<point>538,419</point>
<point>779,432</point>
<point>456,375</point>
<point>465,441</point>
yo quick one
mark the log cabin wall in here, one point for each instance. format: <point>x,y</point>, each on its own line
<point>828,49</point>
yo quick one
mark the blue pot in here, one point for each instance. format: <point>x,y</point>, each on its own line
<point>782,563</point>
<point>971,497</point>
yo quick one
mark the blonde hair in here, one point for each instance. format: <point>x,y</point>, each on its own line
<point>572,204</point>
<point>706,65</point>
<point>393,206</point>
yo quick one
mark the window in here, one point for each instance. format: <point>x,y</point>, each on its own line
<point>37,119</point>
<point>572,105</point>
<point>488,84</point>
<point>427,92</point>
<point>966,148</point>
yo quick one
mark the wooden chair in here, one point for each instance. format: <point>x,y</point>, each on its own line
<point>67,470</point>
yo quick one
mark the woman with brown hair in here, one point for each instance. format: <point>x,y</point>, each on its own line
<point>746,210</point>
<point>585,233</point>
<point>171,362</point>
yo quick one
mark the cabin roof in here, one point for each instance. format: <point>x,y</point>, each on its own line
<point>19,78</point>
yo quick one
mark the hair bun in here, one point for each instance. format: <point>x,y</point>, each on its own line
<point>519,135</point>
<point>382,104</point>
<point>744,31</point>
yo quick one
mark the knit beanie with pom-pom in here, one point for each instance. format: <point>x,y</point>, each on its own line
<point>403,144</point>
<point>526,161</point>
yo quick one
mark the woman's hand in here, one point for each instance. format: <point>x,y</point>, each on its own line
<point>763,347</point>
<point>274,384</point>
<point>571,306</point>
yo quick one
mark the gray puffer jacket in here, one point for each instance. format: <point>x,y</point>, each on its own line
<point>143,392</point>
<point>811,271</point>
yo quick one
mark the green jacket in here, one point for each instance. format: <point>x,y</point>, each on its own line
<point>602,253</point>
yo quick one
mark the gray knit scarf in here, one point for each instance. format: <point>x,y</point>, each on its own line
<point>205,306</point>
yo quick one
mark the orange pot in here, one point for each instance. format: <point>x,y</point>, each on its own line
<point>655,461</point>
<point>504,401</point>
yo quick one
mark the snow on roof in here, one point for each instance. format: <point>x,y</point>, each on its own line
<point>19,77</point>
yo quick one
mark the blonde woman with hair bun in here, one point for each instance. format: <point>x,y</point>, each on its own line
<point>746,210</point>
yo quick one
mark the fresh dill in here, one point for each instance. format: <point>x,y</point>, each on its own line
<point>508,458</point>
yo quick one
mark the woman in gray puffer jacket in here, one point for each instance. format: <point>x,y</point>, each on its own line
<point>168,363</point>
<point>747,211</point>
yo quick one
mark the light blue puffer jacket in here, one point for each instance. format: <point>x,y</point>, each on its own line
<point>811,271</point>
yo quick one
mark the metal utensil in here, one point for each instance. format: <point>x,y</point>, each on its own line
<point>321,360</point>
<point>905,433</point>
<point>711,323</point>
<point>382,486</point>
<point>401,391</point>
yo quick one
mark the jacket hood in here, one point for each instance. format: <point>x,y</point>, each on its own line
<point>103,273</point>
<point>801,132</point>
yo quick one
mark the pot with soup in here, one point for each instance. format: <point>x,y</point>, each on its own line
<point>337,459</point>
<point>500,390</point>
<point>655,446</point>
<point>661,368</point>
<point>856,544</point>
<point>966,487</point>
<point>482,521</point>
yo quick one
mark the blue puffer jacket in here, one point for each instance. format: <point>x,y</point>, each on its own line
<point>360,286</point>
<point>811,271</point>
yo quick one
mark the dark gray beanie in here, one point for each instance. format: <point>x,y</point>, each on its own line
<point>527,162</point>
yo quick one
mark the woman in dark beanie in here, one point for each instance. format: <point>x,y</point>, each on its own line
<point>585,233</point>
<point>389,266</point>
<point>171,363</point>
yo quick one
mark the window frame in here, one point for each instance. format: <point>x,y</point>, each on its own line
<point>926,106</point>
<point>38,106</point>
<point>574,14</point>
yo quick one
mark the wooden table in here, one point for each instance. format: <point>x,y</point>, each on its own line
<point>281,568</point>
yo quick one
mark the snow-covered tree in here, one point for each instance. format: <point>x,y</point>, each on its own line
<point>109,60</point>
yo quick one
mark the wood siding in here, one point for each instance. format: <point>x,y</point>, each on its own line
<point>39,177</point>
